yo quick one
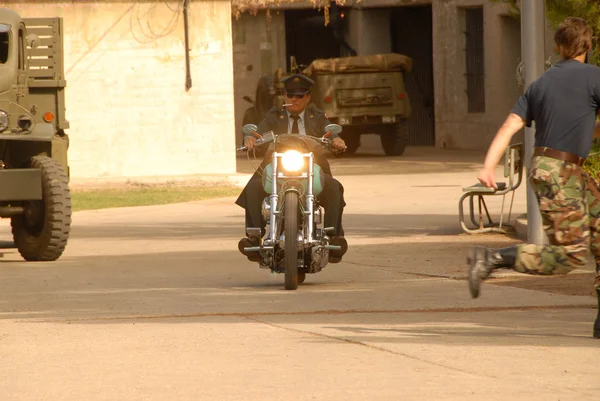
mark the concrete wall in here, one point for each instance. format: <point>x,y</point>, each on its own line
<point>455,127</point>
<point>258,49</point>
<point>129,112</point>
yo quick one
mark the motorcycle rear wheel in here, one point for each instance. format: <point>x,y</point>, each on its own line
<point>291,242</point>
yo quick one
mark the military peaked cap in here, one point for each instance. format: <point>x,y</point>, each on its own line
<point>297,84</point>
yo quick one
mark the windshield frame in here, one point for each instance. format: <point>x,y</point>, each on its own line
<point>6,29</point>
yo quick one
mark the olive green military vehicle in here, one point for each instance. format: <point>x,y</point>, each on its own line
<point>363,94</point>
<point>34,171</point>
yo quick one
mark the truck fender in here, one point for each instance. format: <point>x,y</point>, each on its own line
<point>43,131</point>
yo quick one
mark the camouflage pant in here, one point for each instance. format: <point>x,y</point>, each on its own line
<point>570,206</point>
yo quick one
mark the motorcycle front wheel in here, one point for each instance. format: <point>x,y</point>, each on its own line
<point>291,242</point>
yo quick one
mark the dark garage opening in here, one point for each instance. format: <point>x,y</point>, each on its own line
<point>412,35</point>
<point>307,37</point>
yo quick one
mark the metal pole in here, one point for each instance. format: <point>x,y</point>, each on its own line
<point>188,73</point>
<point>532,37</point>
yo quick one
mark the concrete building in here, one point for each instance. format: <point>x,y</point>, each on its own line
<point>129,111</point>
<point>465,53</point>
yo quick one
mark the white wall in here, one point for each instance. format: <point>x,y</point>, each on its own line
<point>129,113</point>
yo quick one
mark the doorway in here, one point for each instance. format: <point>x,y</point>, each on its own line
<point>412,35</point>
<point>307,38</point>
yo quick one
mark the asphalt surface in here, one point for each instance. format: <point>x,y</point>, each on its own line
<point>156,303</point>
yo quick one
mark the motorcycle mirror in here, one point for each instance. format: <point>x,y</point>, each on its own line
<point>333,129</point>
<point>249,129</point>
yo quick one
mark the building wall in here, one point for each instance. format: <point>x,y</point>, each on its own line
<point>258,49</point>
<point>128,109</point>
<point>455,126</point>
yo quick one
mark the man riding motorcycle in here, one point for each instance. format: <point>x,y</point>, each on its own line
<point>296,118</point>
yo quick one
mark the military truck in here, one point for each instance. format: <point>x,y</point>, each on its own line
<point>363,94</point>
<point>34,171</point>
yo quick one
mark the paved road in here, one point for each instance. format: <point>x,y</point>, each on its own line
<point>155,303</point>
<point>370,160</point>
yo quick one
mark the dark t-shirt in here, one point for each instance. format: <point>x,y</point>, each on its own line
<point>563,102</point>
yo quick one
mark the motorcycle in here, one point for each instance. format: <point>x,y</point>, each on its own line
<point>296,243</point>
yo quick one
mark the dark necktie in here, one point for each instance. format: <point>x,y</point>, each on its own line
<point>295,129</point>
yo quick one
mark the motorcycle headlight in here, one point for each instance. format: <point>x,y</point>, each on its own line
<point>3,120</point>
<point>292,160</point>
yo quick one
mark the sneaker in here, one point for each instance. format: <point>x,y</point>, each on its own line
<point>336,256</point>
<point>248,242</point>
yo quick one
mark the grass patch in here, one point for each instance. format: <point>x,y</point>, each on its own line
<point>145,196</point>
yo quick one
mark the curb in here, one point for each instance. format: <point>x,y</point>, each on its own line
<point>521,227</point>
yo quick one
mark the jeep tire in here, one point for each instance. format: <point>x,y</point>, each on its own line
<point>265,95</point>
<point>251,116</point>
<point>41,232</point>
<point>351,137</point>
<point>394,138</point>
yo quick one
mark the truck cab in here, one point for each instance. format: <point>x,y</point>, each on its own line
<point>34,171</point>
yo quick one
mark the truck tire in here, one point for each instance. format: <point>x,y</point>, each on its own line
<point>251,117</point>
<point>41,233</point>
<point>351,137</point>
<point>394,138</point>
<point>265,93</point>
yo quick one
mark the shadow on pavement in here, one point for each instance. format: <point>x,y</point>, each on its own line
<point>397,277</point>
<point>416,160</point>
<point>377,226</point>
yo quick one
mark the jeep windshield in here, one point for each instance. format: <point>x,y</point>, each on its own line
<point>4,41</point>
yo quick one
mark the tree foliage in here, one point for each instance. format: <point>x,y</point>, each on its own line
<point>238,7</point>
<point>558,10</point>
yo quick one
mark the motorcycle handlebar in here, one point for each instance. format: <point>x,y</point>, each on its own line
<point>324,140</point>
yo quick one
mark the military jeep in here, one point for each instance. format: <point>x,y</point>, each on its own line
<point>363,94</point>
<point>34,171</point>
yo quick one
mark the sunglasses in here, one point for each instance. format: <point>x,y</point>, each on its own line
<point>295,96</point>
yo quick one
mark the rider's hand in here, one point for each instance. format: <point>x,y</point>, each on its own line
<point>338,143</point>
<point>487,177</point>
<point>250,142</point>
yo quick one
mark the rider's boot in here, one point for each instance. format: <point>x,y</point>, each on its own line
<point>484,260</point>
<point>334,255</point>
<point>597,322</point>
<point>248,242</point>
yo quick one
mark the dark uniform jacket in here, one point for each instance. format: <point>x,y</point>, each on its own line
<point>276,120</point>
